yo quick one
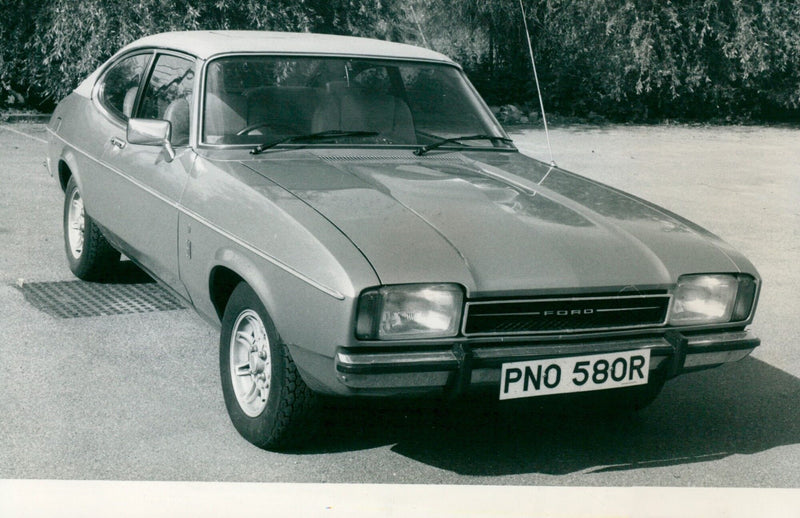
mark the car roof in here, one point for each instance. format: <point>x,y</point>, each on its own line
<point>205,44</point>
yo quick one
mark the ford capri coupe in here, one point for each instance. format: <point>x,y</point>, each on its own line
<point>357,223</point>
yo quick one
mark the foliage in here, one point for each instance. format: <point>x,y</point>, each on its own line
<point>643,59</point>
<point>618,59</point>
<point>58,42</point>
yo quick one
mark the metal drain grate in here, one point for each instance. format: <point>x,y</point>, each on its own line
<point>73,299</point>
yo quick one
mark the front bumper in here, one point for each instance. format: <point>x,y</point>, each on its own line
<point>465,364</point>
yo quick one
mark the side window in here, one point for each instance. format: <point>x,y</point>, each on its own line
<point>168,94</point>
<point>121,82</point>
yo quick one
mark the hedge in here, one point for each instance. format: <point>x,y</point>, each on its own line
<point>616,59</point>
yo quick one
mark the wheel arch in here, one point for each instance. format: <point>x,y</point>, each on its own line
<point>64,174</point>
<point>230,268</point>
<point>221,283</point>
<point>67,168</point>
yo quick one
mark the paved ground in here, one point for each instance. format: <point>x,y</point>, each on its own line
<point>136,397</point>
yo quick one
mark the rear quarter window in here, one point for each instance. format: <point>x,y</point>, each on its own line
<point>120,84</point>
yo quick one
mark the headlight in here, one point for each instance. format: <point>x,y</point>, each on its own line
<point>409,311</point>
<point>712,299</point>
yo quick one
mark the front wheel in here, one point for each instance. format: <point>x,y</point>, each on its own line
<point>89,255</point>
<point>267,401</point>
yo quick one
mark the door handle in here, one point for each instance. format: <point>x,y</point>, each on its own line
<point>118,142</point>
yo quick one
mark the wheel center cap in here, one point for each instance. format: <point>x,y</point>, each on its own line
<point>256,363</point>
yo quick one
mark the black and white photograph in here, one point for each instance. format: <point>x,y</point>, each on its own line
<point>400,258</point>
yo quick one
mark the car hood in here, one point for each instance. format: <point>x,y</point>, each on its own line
<point>495,222</point>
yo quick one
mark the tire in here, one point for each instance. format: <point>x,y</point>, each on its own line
<point>267,400</point>
<point>89,255</point>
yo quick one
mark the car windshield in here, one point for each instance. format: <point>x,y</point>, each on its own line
<point>266,100</point>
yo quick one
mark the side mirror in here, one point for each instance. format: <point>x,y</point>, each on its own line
<point>151,132</point>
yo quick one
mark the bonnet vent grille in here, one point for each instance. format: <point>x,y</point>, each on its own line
<point>402,158</point>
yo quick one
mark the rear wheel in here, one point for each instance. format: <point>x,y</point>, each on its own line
<point>267,400</point>
<point>89,255</point>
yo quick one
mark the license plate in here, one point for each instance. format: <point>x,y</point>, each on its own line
<point>574,374</point>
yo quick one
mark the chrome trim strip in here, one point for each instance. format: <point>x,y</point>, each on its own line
<point>134,181</point>
<point>399,382</point>
<point>283,266</point>
<point>445,359</point>
<point>626,309</point>
<point>523,313</point>
<point>715,358</point>
<point>467,306</point>
<point>745,338</point>
<point>573,299</point>
<point>404,359</point>
<point>264,255</point>
<point>323,54</point>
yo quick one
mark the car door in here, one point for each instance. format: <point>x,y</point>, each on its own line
<point>150,183</point>
<point>113,99</point>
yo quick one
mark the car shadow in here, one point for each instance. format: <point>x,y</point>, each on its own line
<point>742,408</point>
<point>126,272</point>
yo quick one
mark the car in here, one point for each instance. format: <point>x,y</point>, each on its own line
<point>356,222</point>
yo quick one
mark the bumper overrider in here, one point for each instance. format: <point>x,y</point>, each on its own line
<point>472,363</point>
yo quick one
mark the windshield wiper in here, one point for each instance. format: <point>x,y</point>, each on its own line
<point>311,137</point>
<point>424,149</point>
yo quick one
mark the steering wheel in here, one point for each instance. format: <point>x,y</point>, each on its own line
<point>252,127</point>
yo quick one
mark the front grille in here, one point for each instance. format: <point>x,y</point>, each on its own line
<point>564,315</point>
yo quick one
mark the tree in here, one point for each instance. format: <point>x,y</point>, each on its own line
<point>623,59</point>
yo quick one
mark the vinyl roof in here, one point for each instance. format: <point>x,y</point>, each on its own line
<point>205,44</point>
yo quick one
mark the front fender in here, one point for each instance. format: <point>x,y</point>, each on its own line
<point>304,270</point>
<point>311,322</point>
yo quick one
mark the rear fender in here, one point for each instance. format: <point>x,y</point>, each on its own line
<point>68,160</point>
